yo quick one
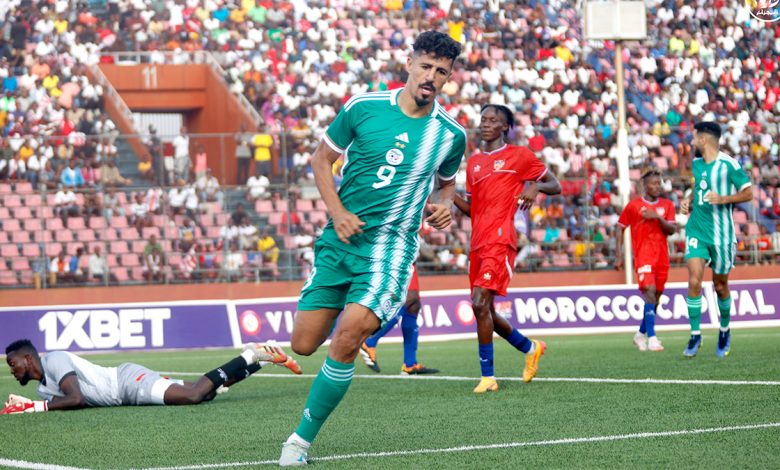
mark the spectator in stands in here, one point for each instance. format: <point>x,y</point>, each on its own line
<point>229,233</point>
<point>66,204</point>
<point>187,235</point>
<point>110,176</point>
<point>111,205</point>
<point>153,260</point>
<point>59,269</point>
<point>248,235</point>
<point>182,162</point>
<point>208,188</point>
<point>48,177</point>
<point>764,246</point>
<point>263,143</point>
<point>257,187</point>
<point>238,214</point>
<point>33,169</point>
<point>93,207</point>
<point>146,168</point>
<point>528,252</point>
<point>17,168</point>
<point>208,261</point>
<point>97,266</point>
<point>192,207</point>
<point>770,174</point>
<point>201,162</point>
<point>71,176</point>
<point>105,151</point>
<point>155,148</point>
<point>301,163</point>
<point>189,262</point>
<point>74,266</point>
<point>177,196</point>
<point>234,263</point>
<point>140,216</point>
<point>243,154</point>
<point>266,245</point>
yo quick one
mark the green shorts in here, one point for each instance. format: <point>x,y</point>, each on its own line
<point>339,277</point>
<point>719,257</point>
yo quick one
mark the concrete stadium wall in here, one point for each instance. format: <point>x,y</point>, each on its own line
<point>235,291</point>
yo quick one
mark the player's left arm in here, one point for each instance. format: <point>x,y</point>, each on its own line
<point>73,399</point>
<point>741,181</point>
<point>440,206</point>
<point>547,184</point>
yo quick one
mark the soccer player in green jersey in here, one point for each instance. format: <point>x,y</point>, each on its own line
<point>397,145</point>
<point>719,183</point>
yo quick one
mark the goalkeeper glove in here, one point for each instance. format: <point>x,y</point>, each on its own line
<point>25,407</point>
<point>14,399</point>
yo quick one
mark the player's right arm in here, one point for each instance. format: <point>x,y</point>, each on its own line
<point>623,222</point>
<point>334,143</point>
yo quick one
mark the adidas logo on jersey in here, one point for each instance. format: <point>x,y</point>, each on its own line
<point>403,137</point>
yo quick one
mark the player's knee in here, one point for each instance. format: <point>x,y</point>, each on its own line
<point>413,307</point>
<point>302,348</point>
<point>650,294</point>
<point>721,288</point>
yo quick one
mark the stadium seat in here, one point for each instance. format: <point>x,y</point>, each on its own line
<point>281,205</point>
<point>11,225</point>
<point>31,249</point>
<point>63,236</point>
<point>9,251</point>
<point>262,205</point>
<point>137,274</point>
<point>7,278</point>
<point>121,274</point>
<point>159,220</point>
<point>128,233</point>
<point>54,224</point>
<point>316,217</point>
<point>86,235</point>
<point>4,213</point>
<point>24,187</point>
<point>20,264</point>
<point>753,229</point>
<point>97,223</point>
<point>662,163</point>
<point>129,260</point>
<point>5,188</point>
<point>12,200</point>
<point>33,200</point>
<point>45,212</point>
<point>118,222</point>
<point>275,218</point>
<point>107,234</point>
<point>222,219</point>
<point>740,217</point>
<point>137,246</point>
<point>3,237</point>
<point>33,225</point>
<point>119,247</point>
<point>320,205</point>
<point>52,249</point>
<point>75,223</point>
<point>171,232</point>
<point>23,213</point>
<point>149,231</point>
<point>304,205</point>
<point>20,237</point>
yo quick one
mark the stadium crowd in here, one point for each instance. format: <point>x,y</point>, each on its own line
<point>298,62</point>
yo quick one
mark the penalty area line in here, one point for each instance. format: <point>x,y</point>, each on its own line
<point>598,380</point>
<point>508,445</point>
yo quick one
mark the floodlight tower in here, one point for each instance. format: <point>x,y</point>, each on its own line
<point>618,21</point>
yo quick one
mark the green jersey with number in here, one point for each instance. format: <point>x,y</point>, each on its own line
<point>390,165</point>
<point>713,223</point>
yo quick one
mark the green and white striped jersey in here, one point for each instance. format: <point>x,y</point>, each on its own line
<point>391,161</point>
<point>714,224</point>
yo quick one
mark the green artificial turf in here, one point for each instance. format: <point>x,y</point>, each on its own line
<point>249,423</point>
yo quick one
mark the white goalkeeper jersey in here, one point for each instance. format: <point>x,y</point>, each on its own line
<point>98,384</point>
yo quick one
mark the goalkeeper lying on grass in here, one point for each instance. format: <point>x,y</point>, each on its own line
<point>69,382</point>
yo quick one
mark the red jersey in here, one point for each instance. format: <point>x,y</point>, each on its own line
<point>494,180</point>
<point>647,237</point>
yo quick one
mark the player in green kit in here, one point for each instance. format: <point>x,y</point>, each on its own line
<point>397,146</point>
<point>719,183</point>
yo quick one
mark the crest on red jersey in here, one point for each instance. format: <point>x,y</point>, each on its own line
<point>498,164</point>
<point>661,211</point>
<point>476,168</point>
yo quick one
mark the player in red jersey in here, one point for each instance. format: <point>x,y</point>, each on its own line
<point>498,178</point>
<point>651,219</point>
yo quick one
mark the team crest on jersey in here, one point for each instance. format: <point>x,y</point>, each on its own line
<point>477,168</point>
<point>661,211</point>
<point>394,156</point>
<point>498,164</point>
<point>703,184</point>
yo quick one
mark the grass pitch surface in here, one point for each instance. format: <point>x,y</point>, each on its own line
<point>714,415</point>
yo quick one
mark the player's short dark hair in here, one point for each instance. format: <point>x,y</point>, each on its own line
<point>709,127</point>
<point>648,172</point>
<point>437,44</point>
<point>22,345</point>
<point>500,108</point>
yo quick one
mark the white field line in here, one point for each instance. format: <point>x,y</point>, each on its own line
<point>34,465</point>
<point>449,378</point>
<point>515,379</point>
<point>508,445</point>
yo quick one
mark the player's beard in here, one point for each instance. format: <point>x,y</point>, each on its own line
<point>697,154</point>
<point>24,379</point>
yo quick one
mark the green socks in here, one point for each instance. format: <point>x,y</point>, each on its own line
<point>326,392</point>
<point>694,314</point>
<point>724,305</point>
